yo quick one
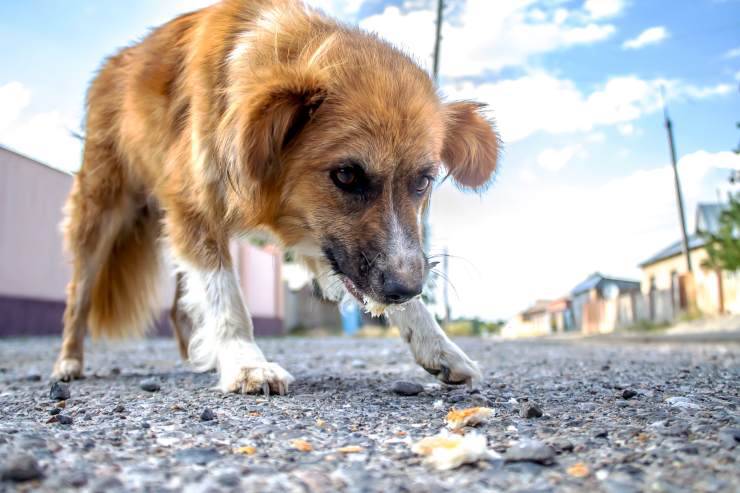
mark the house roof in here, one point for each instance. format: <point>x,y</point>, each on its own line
<point>8,150</point>
<point>538,307</point>
<point>598,280</point>
<point>707,221</point>
<point>695,241</point>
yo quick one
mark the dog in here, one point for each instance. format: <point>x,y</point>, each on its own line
<point>262,116</point>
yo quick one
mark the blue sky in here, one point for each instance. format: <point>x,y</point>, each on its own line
<point>584,183</point>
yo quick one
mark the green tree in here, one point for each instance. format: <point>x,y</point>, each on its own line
<point>723,247</point>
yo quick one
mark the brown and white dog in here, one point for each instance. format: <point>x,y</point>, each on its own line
<point>261,115</point>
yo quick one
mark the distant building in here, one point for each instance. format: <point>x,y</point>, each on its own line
<point>34,272</point>
<point>590,313</point>
<point>561,315</point>
<point>534,321</point>
<point>670,290</point>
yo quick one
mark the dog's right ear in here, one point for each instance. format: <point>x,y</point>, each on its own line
<point>270,116</point>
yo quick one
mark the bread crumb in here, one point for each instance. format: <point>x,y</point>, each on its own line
<point>447,451</point>
<point>302,445</point>
<point>459,418</point>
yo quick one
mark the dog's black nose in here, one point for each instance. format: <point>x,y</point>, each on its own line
<point>398,291</point>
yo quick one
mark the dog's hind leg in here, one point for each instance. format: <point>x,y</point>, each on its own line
<point>111,233</point>
<point>97,210</point>
<point>182,324</point>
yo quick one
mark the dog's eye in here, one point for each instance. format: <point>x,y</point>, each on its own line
<point>422,183</point>
<point>346,176</point>
<point>350,179</point>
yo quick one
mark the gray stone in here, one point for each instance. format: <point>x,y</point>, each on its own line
<point>207,415</point>
<point>197,455</point>
<point>59,391</point>
<point>628,394</point>
<point>530,451</point>
<point>150,385</point>
<point>530,410</point>
<point>402,387</point>
<point>21,467</point>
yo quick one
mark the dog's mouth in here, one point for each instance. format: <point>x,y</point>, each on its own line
<point>352,288</point>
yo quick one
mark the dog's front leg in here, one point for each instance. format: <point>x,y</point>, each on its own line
<point>431,347</point>
<point>224,338</point>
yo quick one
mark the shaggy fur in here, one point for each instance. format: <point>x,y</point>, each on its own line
<point>236,118</point>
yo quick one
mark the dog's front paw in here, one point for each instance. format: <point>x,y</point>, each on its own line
<point>255,378</point>
<point>451,365</point>
<point>66,369</point>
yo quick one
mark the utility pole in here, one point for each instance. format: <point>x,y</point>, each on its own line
<point>679,196</point>
<point>425,228</point>
<point>438,39</point>
<point>435,74</point>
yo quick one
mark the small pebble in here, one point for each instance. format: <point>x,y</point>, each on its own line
<point>530,451</point>
<point>59,391</point>
<point>64,420</point>
<point>207,415</point>
<point>54,411</point>
<point>21,467</point>
<point>402,387</point>
<point>530,410</point>
<point>119,408</point>
<point>150,385</point>
<point>628,394</point>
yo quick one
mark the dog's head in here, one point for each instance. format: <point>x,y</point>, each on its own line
<point>346,161</point>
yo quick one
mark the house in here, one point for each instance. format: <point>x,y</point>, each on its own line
<point>671,290</point>
<point>534,321</point>
<point>595,306</point>
<point>34,271</point>
<point>561,315</point>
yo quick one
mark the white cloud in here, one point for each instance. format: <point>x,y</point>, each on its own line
<point>555,159</point>
<point>43,136</point>
<point>600,9</point>
<point>14,97</point>
<point>626,129</point>
<point>337,8</point>
<point>650,36</point>
<point>541,102</point>
<point>733,53</point>
<point>538,241</point>
<point>487,35</point>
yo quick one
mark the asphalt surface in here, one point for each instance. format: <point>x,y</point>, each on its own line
<point>618,416</point>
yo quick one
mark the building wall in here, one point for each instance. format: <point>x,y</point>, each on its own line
<point>34,271</point>
<point>706,283</point>
<point>539,324</point>
<point>31,198</point>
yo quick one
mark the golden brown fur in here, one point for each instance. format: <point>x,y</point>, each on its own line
<point>227,120</point>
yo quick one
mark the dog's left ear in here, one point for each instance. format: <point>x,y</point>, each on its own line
<point>471,144</point>
<point>275,110</point>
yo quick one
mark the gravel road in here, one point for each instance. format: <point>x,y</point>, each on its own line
<point>616,417</point>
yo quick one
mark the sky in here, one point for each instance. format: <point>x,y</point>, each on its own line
<point>584,183</point>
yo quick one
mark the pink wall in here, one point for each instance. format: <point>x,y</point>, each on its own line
<point>31,197</point>
<point>260,279</point>
<point>33,268</point>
